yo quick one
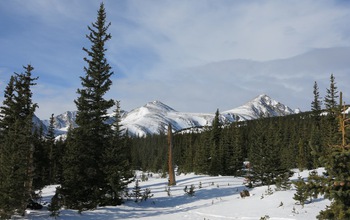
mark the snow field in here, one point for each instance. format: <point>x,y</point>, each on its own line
<point>218,198</point>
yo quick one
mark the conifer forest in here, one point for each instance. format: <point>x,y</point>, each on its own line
<point>96,161</point>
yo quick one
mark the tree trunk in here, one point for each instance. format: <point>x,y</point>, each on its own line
<point>172,181</point>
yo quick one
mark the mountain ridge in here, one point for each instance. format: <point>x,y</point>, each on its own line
<point>154,117</point>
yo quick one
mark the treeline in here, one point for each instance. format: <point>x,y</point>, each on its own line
<point>294,140</point>
<point>274,144</point>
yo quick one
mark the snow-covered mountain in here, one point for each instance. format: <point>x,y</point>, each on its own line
<point>261,106</point>
<point>154,117</point>
<point>38,124</point>
<point>62,122</point>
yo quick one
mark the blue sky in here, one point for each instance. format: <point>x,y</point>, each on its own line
<point>194,56</point>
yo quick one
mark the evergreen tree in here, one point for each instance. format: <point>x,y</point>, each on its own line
<point>202,156</point>
<point>233,150</point>
<point>301,194</point>
<point>226,147</point>
<point>258,154</point>
<point>189,153</point>
<point>316,102</point>
<point>289,140</point>
<point>136,192</point>
<point>315,144</point>
<point>8,114</point>
<point>17,145</point>
<point>85,182</point>
<point>336,185</point>
<point>302,158</point>
<point>216,129</point>
<point>315,136</point>
<point>264,153</point>
<point>117,166</point>
<point>330,99</point>
<point>331,135</point>
<point>57,163</point>
<point>41,161</point>
<point>52,151</point>
<point>315,185</point>
<point>216,151</point>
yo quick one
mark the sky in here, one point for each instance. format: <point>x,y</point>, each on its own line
<point>195,56</point>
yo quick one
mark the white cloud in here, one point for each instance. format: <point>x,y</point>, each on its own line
<point>157,46</point>
<point>189,33</point>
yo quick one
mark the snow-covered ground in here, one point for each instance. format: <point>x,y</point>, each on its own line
<point>218,198</point>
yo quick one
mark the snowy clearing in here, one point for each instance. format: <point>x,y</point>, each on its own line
<point>218,198</point>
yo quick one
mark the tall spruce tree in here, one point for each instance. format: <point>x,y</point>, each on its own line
<point>117,164</point>
<point>215,166</point>
<point>331,97</point>
<point>237,158</point>
<point>232,143</point>
<point>52,151</point>
<point>258,154</point>
<point>316,102</point>
<point>17,144</point>
<point>331,125</point>
<point>335,184</point>
<point>337,166</point>
<point>315,138</point>
<point>41,160</point>
<point>85,183</point>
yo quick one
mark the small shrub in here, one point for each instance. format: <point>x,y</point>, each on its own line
<point>301,194</point>
<point>56,203</point>
<point>282,182</point>
<point>190,191</point>
<point>146,194</point>
<point>136,191</point>
<point>266,217</point>
<point>268,191</point>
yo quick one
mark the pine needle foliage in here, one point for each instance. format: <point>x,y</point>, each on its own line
<point>93,171</point>
<point>17,144</point>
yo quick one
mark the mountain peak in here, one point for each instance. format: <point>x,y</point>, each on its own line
<point>265,99</point>
<point>159,106</point>
<point>261,106</point>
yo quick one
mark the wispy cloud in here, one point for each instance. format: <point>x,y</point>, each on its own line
<point>173,50</point>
